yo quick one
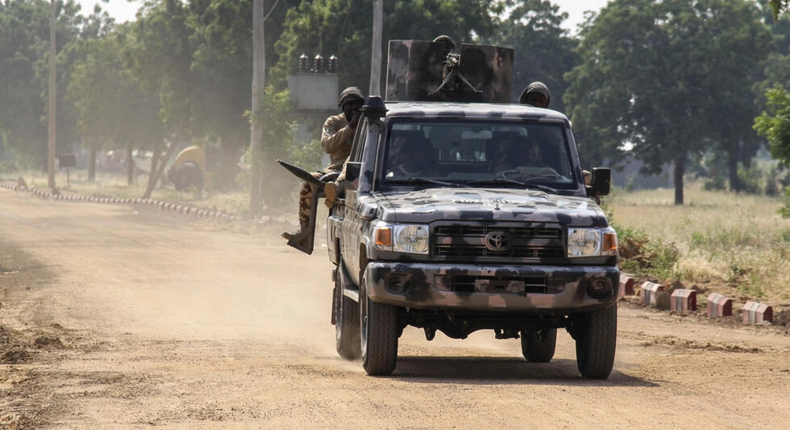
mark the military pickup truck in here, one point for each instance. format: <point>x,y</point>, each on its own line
<point>460,216</point>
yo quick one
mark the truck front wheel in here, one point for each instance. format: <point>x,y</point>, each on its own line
<point>596,340</point>
<point>538,345</point>
<point>346,323</point>
<point>379,334</point>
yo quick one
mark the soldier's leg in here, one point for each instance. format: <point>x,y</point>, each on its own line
<point>305,206</point>
<point>335,188</point>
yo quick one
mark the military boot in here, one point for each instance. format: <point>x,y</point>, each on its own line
<point>298,235</point>
<point>333,191</point>
<point>330,194</point>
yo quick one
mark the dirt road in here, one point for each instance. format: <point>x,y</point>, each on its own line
<point>122,317</point>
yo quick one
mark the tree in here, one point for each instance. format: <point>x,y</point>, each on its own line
<point>24,72</point>
<point>739,46</point>
<point>92,84</point>
<point>778,6</point>
<point>774,124</point>
<point>544,50</point>
<point>111,108</point>
<point>661,77</point>
<point>23,34</point>
<point>222,68</point>
<point>161,59</point>
<point>258,82</point>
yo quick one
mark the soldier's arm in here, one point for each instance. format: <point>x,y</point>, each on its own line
<point>333,139</point>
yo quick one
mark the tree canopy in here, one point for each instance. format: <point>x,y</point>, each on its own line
<point>657,78</point>
<point>663,81</point>
<point>341,28</point>
<point>544,50</point>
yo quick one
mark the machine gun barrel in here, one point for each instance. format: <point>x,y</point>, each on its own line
<point>302,174</point>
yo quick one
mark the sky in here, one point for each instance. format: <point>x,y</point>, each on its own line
<point>123,10</point>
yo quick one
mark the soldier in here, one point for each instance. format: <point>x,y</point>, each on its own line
<point>409,158</point>
<point>536,94</point>
<point>336,138</point>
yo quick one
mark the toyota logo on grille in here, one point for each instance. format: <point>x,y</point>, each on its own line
<point>497,241</point>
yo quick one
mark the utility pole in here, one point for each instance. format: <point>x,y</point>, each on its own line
<point>53,99</point>
<point>258,76</point>
<point>375,51</point>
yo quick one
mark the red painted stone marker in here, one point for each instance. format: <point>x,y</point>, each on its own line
<point>756,313</point>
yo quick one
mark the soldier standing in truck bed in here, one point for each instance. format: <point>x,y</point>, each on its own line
<point>336,138</point>
<point>536,94</point>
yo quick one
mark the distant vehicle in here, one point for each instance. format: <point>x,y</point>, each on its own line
<point>196,167</point>
<point>189,169</point>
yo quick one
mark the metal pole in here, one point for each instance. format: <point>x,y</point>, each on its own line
<point>375,51</point>
<point>258,76</point>
<point>53,99</point>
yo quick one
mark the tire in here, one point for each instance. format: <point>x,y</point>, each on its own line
<point>187,176</point>
<point>346,323</point>
<point>596,341</point>
<point>538,346</point>
<point>379,334</point>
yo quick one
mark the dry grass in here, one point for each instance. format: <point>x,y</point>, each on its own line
<point>735,244</point>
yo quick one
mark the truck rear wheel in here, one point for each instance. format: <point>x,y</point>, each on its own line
<point>596,340</point>
<point>379,334</point>
<point>538,345</point>
<point>346,323</point>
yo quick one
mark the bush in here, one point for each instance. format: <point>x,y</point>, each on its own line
<point>8,166</point>
<point>772,186</point>
<point>643,255</point>
<point>716,183</point>
<point>751,179</point>
<point>784,211</point>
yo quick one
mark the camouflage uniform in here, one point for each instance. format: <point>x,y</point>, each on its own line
<point>336,139</point>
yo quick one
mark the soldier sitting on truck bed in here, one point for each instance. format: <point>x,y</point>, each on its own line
<point>336,138</point>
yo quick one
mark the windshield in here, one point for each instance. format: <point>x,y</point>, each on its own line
<point>498,153</point>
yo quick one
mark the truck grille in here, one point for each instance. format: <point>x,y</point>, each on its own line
<point>471,284</point>
<point>498,242</point>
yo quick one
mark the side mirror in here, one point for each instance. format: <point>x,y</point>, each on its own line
<point>601,182</point>
<point>353,169</point>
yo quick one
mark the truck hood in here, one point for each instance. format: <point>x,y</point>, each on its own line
<point>453,204</point>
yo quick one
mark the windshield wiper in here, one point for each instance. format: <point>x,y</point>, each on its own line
<point>494,181</point>
<point>427,181</point>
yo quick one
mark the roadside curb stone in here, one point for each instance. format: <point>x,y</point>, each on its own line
<point>161,205</point>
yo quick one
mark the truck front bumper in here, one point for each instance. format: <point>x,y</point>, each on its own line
<point>499,288</point>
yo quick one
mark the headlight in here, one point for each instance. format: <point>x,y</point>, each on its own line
<point>409,238</point>
<point>591,242</point>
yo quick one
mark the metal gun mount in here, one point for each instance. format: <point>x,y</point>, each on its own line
<point>429,71</point>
